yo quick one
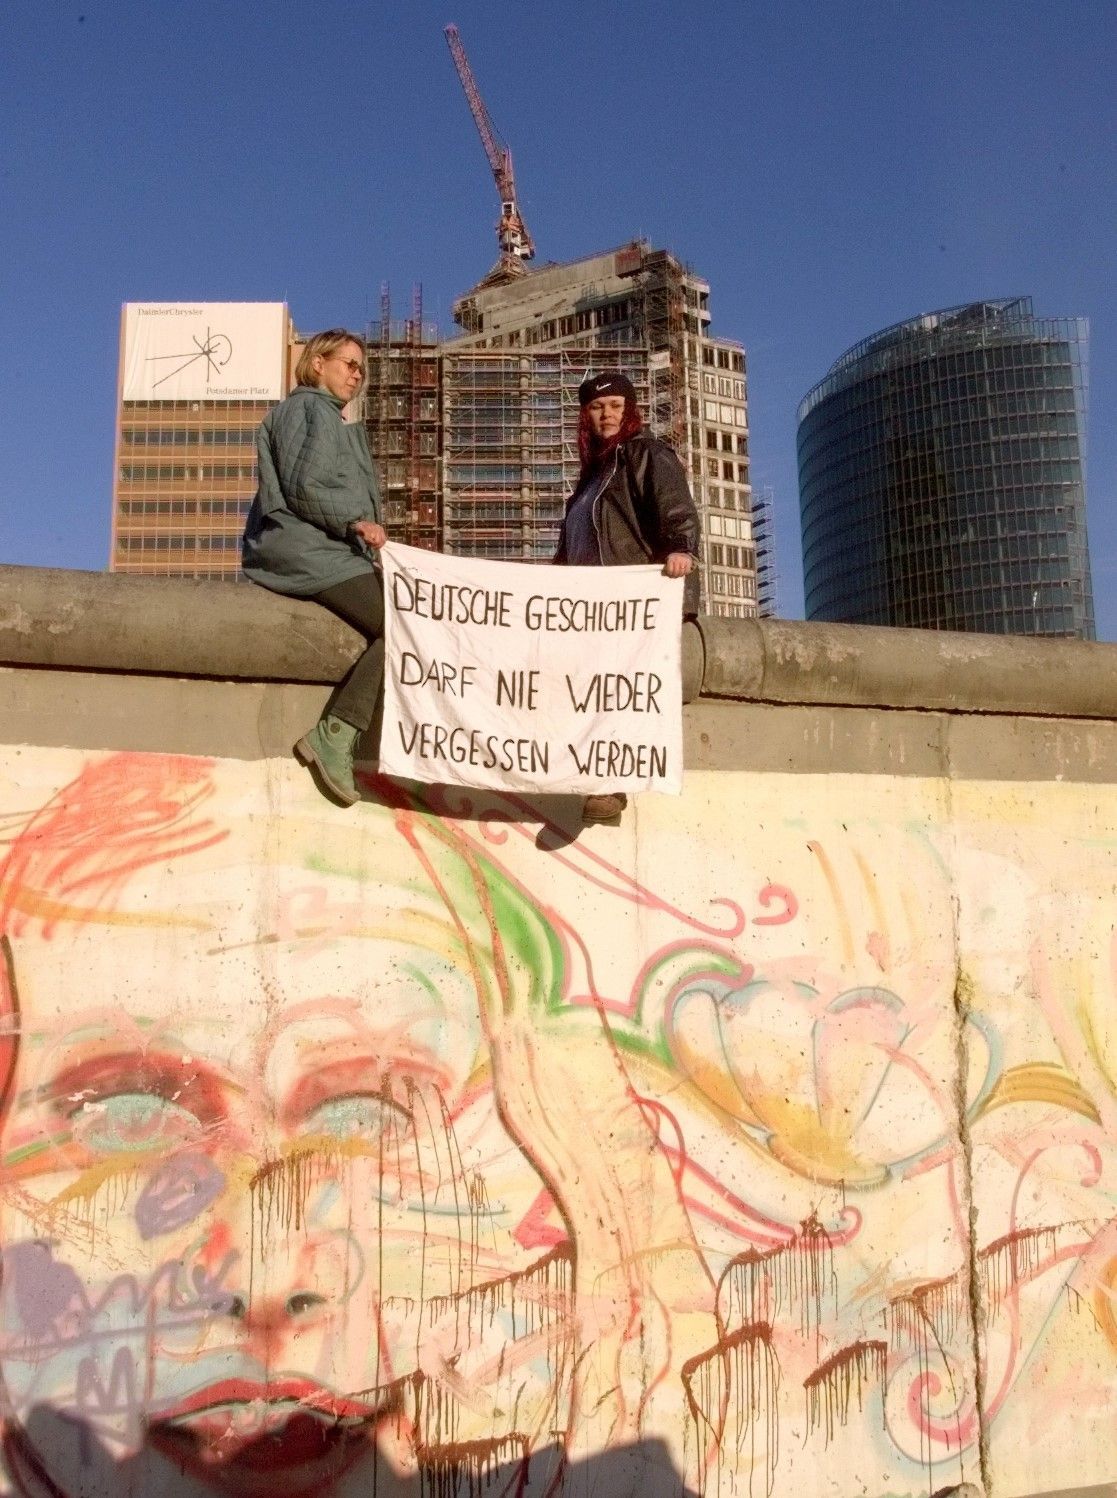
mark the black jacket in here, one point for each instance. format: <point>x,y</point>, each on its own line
<point>645,511</point>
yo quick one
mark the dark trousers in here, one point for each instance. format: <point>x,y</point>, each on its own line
<point>360,602</point>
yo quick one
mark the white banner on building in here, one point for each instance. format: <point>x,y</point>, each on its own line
<point>218,351</point>
<point>531,678</point>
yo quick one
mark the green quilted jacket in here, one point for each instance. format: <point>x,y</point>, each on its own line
<point>316,477</point>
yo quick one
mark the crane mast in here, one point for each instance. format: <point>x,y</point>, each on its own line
<point>516,244</point>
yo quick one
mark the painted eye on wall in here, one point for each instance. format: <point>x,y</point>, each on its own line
<point>134,1122</point>
<point>358,1116</point>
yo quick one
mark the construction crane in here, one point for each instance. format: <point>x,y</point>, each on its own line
<point>516,244</point>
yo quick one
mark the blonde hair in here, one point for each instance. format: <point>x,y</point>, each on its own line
<point>323,345</point>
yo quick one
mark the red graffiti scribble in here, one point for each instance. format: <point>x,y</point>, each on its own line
<point>658,1115</point>
<point>534,1229</point>
<point>770,893</point>
<point>119,815</point>
<point>922,1392</point>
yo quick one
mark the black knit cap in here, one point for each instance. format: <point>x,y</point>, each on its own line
<point>611,382</point>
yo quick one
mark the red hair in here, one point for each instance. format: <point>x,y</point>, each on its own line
<point>591,449</point>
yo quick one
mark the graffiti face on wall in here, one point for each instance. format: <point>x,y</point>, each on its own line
<point>414,1147</point>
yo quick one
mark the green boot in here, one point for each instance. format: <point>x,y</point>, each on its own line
<point>327,751</point>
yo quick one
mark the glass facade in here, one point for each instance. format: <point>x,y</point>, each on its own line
<point>941,476</point>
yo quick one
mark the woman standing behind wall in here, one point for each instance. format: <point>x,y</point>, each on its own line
<point>312,525</point>
<point>632,505</point>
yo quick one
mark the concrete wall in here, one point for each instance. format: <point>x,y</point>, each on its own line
<point>764,1144</point>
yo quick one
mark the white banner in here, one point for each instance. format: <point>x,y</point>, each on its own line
<point>531,678</point>
<point>218,351</point>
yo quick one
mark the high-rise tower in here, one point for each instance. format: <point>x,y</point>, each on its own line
<point>941,476</point>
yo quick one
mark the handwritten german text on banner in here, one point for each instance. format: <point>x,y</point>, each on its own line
<point>531,678</point>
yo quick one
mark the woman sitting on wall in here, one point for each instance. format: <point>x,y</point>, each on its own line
<point>312,525</point>
<point>632,505</point>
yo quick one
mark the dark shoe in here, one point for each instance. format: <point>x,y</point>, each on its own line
<point>606,809</point>
<point>327,751</point>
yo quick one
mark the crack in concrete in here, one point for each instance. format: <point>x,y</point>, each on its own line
<point>963,1007</point>
<point>963,995</point>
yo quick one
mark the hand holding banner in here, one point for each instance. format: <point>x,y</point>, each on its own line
<point>510,676</point>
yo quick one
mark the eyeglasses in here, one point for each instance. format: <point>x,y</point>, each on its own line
<point>354,366</point>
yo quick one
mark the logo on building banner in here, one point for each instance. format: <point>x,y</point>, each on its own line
<point>518,677</point>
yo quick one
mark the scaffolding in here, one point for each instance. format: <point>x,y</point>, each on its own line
<point>403,419</point>
<point>376,403</point>
<point>661,281</point>
<point>510,453</point>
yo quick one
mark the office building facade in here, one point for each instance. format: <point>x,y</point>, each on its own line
<point>196,380</point>
<point>941,476</point>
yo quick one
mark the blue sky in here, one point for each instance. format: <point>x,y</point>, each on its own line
<point>830,167</point>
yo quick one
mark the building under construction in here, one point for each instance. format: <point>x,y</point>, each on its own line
<point>403,414</point>
<point>510,446</point>
<point>489,474</point>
